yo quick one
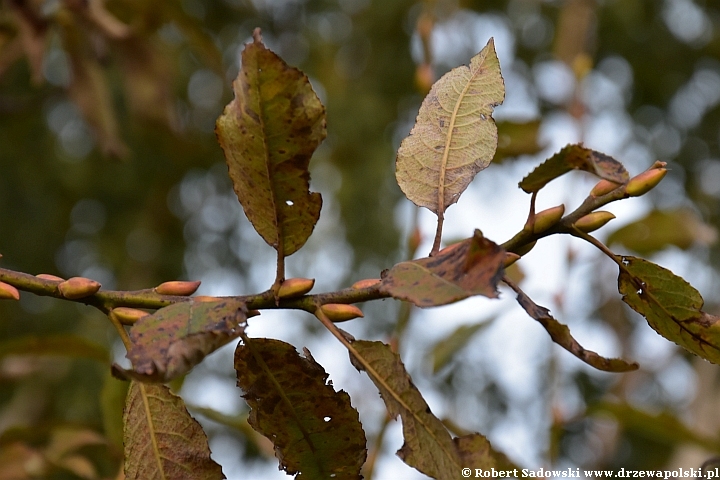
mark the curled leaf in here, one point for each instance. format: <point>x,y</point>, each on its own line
<point>174,339</point>
<point>454,136</point>
<point>574,157</point>
<point>315,430</point>
<point>471,267</point>
<point>268,134</point>
<point>671,306</point>
<point>162,441</point>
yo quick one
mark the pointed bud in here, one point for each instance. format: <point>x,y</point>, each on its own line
<point>295,287</point>
<point>8,292</point>
<point>603,187</point>
<point>177,287</point>
<point>367,283</point>
<point>47,276</point>
<point>204,298</point>
<point>548,218</point>
<point>340,312</point>
<point>78,287</point>
<point>645,181</point>
<point>128,316</point>
<point>593,221</point>
<point>510,258</point>
<point>522,251</point>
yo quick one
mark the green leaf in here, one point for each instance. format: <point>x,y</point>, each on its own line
<point>174,339</point>
<point>428,445</point>
<point>660,229</point>
<point>112,401</point>
<point>316,431</point>
<point>61,344</point>
<point>471,267</point>
<point>670,305</point>
<point>446,349</point>
<point>162,441</point>
<point>454,136</point>
<point>268,133</point>
<point>560,334</point>
<point>574,157</point>
<point>516,139</point>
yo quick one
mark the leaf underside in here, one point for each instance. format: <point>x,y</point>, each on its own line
<point>315,430</point>
<point>162,441</point>
<point>671,306</point>
<point>454,136</point>
<point>174,339</point>
<point>471,267</point>
<point>268,134</point>
<point>428,446</point>
<point>574,157</point>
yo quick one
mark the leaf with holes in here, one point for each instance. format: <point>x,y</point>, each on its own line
<point>428,445</point>
<point>670,305</point>
<point>268,134</point>
<point>174,339</point>
<point>162,441</point>
<point>454,136</point>
<point>574,157</point>
<point>315,430</point>
<point>471,267</point>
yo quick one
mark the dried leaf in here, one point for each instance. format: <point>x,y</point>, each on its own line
<point>471,267</point>
<point>268,133</point>
<point>162,440</point>
<point>670,305</point>
<point>454,136</point>
<point>174,339</point>
<point>560,334</point>
<point>428,445</point>
<point>660,229</point>
<point>61,344</point>
<point>574,157</point>
<point>316,431</point>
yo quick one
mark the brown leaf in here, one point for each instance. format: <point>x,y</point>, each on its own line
<point>471,267</point>
<point>574,157</point>
<point>174,339</point>
<point>162,441</point>
<point>315,430</point>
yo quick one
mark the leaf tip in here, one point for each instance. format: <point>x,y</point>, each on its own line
<point>257,36</point>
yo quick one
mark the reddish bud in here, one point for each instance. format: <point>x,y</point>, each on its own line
<point>295,287</point>
<point>8,292</point>
<point>645,181</point>
<point>47,276</point>
<point>548,218</point>
<point>603,187</point>
<point>128,316</point>
<point>510,258</point>
<point>78,287</point>
<point>366,283</point>
<point>593,221</point>
<point>177,287</point>
<point>340,312</point>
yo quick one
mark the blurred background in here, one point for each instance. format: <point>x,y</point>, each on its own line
<point>109,169</point>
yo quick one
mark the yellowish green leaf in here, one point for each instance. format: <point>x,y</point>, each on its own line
<point>659,229</point>
<point>671,306</point>
<point>446,349</point>
<point>516,139</point>
<point>315,430</point>
<point>162,440</point>
<point>268,133</point>
<point>174,339</point>
<point>454,136</point>
<point>574,157</point>
<point>112,402</point>
<point>428,445</point>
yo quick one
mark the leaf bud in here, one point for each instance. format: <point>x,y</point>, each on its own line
<point>366,283</point>
<point>47,276</point>
<point>603,187</point>
<point>645,181</point>
<point>525,249</point>
<point>340,312</point>
<point>295,287</point>
<point>204,298</point>
<point>510,258</point>
<point>78,287</point>
<point>593,221</point>
<point>8,292</point>
<point>548,218</point>
<point>177,287</point>
<point>128,316</point>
